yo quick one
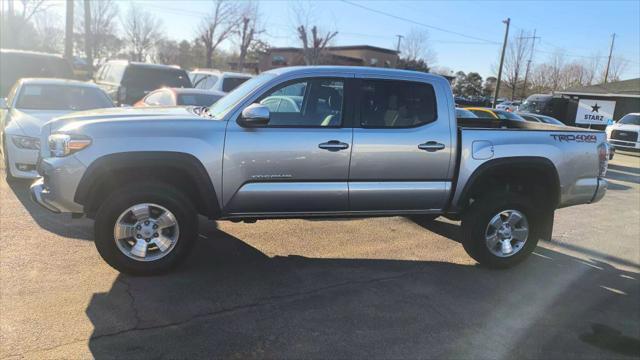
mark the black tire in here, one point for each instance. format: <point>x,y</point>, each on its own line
<point>147,192</point>
<point>476,219</point>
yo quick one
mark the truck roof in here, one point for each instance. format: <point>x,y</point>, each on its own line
<point>363,70</point>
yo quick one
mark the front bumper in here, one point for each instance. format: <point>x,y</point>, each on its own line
<point>620,144</point>
<point>40,193</point>
<point>24,157</point>
<point>600,190</point>
<point>56,190</point>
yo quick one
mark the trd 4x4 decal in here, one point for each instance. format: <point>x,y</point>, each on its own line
<point>577,138</point>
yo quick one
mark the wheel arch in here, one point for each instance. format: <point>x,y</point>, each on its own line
<point>533,170</point>
<point>182,170</point>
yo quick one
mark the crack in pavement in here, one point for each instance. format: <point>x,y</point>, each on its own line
<point>266,301</point>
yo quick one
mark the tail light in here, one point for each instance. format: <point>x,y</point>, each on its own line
<point>603,157</point>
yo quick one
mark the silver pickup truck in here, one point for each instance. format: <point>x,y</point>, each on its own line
<point>306,142</point>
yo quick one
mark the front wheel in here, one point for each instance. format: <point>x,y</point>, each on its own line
<point>145,228</point>
<point>501,229</point>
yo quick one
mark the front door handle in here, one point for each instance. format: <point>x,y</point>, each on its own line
<point>431,146</point>
<point>333,145</point>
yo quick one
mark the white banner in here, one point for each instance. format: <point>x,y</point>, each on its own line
<point>595,112</point>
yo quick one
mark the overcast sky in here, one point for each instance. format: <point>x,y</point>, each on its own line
<point>465,36</point>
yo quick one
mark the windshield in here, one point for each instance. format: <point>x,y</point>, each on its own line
<point>462,113</point>
<point>226,103</point>
<point>62,97</point>
<point>508,115</point>
<point>535,105</point>
<point>630,119</point>
<point>150,78</point>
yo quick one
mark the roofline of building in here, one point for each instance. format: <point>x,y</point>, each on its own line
<point>347,47</point>
<point>597,94</point>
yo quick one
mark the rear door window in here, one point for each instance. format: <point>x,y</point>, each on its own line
<point>396,104</point>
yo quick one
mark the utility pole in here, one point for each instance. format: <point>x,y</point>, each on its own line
<point>526,73</point>
<point>88,36</point>
<point>398,47</point>
<point>68,33</point>
<point>606,73</point>
<point>504,48</point>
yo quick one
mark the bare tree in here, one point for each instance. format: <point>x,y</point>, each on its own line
<point>142,32</point>
<point>616,68</point>
<point>556,65</point>
<point>103,29</point>
<point>50,34</point>
<point>592,68</point>
<point>313,40</point>
<point>247,32</point>
<point>30,8</point>
<point>218,26</point>
<point>313,44</point>
<point>415,46</point>
<point>516,61</point>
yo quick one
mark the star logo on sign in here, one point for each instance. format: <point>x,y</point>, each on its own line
<point>595,108</point>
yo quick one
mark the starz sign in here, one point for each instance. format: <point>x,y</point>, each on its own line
<point>595,112</point>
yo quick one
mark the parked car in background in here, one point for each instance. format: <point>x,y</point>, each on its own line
<point>180,97</point>
<point>464,113</point>
<point>541,118</point>
<point>127,82</point>
<point>208,79</point>
<point>489,113</point>
<point>623,134</point>
<point>33,102</point>
<point>391,146</point>
<point>18,64</point>
<point>508,106</point>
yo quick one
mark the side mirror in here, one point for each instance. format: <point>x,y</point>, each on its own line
<point>3,103</point>
<point>254,115</point>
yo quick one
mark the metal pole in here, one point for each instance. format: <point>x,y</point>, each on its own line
<point>526,73</point>
<point>68,35</point>
<point>606,73</point>
<point>88,36</point>
<point>504,48</point>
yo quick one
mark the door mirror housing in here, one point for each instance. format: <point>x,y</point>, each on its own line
<point>3,103</point>
<point>254,115</point>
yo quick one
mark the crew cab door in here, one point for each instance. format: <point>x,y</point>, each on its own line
<point>402,157</point>
<point>299,161</point>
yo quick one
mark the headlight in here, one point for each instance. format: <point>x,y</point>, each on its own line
<point>26,142</point>
<point>63,144</point>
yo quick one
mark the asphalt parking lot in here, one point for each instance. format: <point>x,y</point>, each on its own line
<point>362,288</point>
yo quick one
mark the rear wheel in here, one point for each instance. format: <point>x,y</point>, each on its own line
<point>501,229</point>
<point>145,228</point>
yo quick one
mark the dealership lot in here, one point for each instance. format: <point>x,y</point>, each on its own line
<point>367,288</point>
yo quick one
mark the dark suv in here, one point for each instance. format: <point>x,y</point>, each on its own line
<point>18,64</point>
<point>127,82</point>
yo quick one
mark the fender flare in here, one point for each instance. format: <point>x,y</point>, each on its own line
<point>527,162</point>
<point>188,163</point>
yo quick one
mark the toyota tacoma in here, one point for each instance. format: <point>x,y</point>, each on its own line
<point>304,142</point>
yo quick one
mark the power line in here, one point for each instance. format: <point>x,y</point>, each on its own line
<point>419,23</point>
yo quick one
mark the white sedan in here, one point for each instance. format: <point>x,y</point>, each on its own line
<point>510,106</point>
<point>30,104</point>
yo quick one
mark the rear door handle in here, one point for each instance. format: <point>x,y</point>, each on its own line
<point>431,146</point>
<point>333,145</point>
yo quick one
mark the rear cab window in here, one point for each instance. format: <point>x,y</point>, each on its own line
<point>230,83</point>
